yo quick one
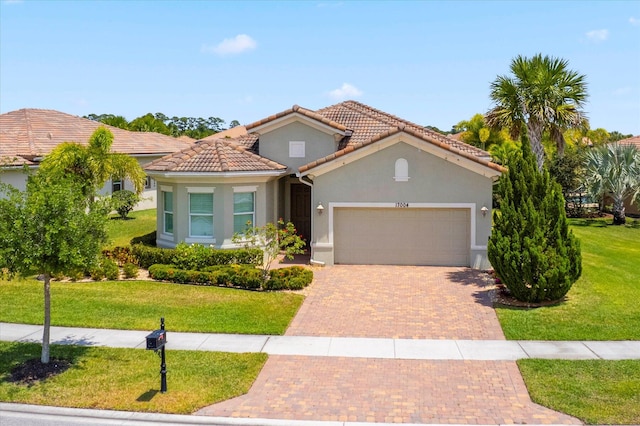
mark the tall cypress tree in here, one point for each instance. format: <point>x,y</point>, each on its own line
<point>531,247</point>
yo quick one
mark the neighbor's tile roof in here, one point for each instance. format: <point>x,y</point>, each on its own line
<point>634,140</point>
<point>217,155</point>
<point>31,133</point>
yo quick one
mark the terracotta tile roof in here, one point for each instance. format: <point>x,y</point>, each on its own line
<point>303,111</point>
<point>367,123</point>
<point>31,133</point>
<point>233,132</point>
<point>217,155</point>
<point>634,140</point>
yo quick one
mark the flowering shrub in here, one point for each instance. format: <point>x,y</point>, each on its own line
<point>272,239</point>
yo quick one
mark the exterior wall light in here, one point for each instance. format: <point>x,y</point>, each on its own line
<point>320,208</point>
<point>484,210</point>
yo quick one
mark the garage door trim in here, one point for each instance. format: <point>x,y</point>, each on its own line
<point>470,206</point>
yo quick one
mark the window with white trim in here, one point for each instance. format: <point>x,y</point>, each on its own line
<point>244,211</point>
<point>296,149</point>
<point>148,182</point>
<point>167,211</point>
<point>201,212</point>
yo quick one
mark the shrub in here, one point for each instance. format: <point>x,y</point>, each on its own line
<point>130,270</point>
<point>111,270</point>
<point>272,239</point>
<point>194,257</point>
<point>147,256</point>
<point>531,248</point>
<point>122,255</point>
<point>124,201</point>
<point>291,278</point>
<point>244,276</point>
<point>106,268</point>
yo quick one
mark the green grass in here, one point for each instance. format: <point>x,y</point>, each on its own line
<point>139,223</point>
<point>603,303</point>
<point>595,391</point>
<point>138,305</point>
<point>129,379</point>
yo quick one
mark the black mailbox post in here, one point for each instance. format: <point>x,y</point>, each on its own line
<point>156,342</point>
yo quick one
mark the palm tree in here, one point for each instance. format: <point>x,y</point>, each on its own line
<point>92,165</point>
<point>543,95</point>
<point>614,169</point>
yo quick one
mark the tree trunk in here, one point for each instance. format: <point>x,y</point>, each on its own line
<point>534,129</point>
<point>44,358</point>
<point>619,217</point>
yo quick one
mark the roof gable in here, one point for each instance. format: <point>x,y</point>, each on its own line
<point>353,152</point>
<point>297,113</point>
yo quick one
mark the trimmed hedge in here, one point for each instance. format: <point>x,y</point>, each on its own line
<point>195,257</point>
<point>244,276</point>
<point>291,278</point>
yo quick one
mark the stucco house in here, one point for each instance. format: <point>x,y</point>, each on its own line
<point>362,187</point>
<point>27,135</point>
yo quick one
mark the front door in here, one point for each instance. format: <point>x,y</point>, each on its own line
<point>301,210</point>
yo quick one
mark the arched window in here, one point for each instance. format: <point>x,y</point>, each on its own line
<point>402,170</point>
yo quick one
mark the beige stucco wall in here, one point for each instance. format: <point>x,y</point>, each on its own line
<point>275,144</point>
<point>432,181</point>
<point>14,177</point>
<point>222,209</point>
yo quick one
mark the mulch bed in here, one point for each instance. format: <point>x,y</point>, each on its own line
<point>502,296</point>
<point>33,371</point>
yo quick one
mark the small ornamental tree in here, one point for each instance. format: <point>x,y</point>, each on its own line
<point>124,201</point>
<point>531,248</point>
<point>272,239</point>
<point>49,229</point>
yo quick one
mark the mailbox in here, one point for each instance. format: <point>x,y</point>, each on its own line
<point>157,339</point>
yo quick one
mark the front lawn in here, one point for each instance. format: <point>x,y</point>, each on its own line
<point>603,303</point>
<point>121,231</point>
<point>595,391</point>
<point>129,379</point>
<point>138,305</point>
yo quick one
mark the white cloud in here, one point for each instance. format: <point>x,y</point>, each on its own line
<point>634,21</point>
<point>230,46</point>
<point>346,91</point>
<point>622,91</point>
<point>598,35</point>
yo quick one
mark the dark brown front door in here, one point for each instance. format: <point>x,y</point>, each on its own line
<point>301,209</point>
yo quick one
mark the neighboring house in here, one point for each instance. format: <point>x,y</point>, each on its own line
<point>361,186</point>
<point>630,209</point>
<point>27,135</point>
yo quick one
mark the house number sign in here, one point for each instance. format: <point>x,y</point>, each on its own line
<point>402,205</point>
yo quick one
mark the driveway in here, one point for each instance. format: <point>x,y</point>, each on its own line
<point>393,302</point>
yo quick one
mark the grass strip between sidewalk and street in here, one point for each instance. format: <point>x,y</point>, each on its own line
<point>138,305</point>
<point>129,379</point>
<point>595,391</point>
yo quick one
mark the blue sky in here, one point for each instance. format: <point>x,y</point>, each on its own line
<point>428,62</point>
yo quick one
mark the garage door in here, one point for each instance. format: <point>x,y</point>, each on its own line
<point>401,236</point>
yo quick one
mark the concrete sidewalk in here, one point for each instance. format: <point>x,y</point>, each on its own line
<point>350,347</point>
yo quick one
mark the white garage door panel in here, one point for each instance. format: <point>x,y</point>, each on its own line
<point>399,236</point>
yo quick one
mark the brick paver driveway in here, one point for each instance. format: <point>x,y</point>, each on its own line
<point>393,302</point>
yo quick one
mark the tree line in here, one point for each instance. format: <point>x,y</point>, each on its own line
<point>193,127</point>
